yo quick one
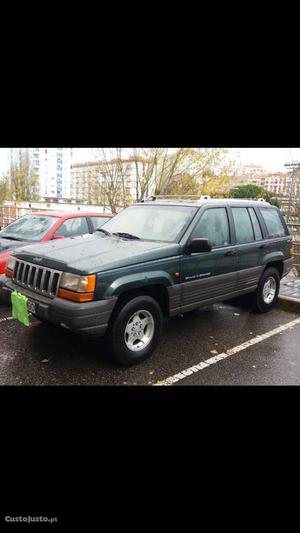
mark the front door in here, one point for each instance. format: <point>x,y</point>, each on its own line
<point>208,276</point>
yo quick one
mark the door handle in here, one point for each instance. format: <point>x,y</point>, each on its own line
<point>231,252</point>
<point>264,246</point>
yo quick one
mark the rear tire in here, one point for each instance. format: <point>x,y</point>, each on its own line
<point>266,294</point>
<point>135,330</point>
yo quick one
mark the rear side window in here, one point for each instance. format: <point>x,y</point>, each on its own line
<point>97,222</point>
<point>256,226</point>
<point>214,226</point>
<point>73,227</point>
<point>273,222</point>
<point>242,223</point>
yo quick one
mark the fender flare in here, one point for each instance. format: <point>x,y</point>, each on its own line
<point>137,281</point>
<point>272,257</point>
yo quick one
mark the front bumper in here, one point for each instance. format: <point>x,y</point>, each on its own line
<point>89,318</point>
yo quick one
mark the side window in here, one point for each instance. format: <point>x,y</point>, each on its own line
<point>73,227</point>
<point>273,222</point>
<point>97,222</point>
<point>214,226</point>
<point>256,226</point>
<point>242,223</point>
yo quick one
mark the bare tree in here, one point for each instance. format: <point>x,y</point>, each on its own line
<point>145,163</point>
<point>208,167</point>
<point>23,181</point>
<point>154,169</point>
<point>112,178</point>
<point>4,189</point>
<point>123,175</point>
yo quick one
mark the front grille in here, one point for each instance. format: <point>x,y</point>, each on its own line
<point>37,278</point>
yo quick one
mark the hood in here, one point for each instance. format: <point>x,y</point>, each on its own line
<point>88,254</point>
<point>9,244</point>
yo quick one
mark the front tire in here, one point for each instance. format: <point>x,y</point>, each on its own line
<point>135,330</point>
<point>266,294</point>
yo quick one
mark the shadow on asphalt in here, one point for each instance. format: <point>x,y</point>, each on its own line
<point>61,345</point>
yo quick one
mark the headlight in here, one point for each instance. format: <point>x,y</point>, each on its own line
<point>11,261</point>
<point>75,283</point>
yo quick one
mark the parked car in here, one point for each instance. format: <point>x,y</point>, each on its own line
<point>152,260</point>
<point>43,226</point>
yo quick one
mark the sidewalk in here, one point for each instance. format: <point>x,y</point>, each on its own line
<point>289,293</point>
<point>290,286</point>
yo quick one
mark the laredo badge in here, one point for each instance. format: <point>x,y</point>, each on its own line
<point>20,307</point>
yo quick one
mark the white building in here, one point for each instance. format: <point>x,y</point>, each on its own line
<point>251,170</point>
<point>250,174</point>
<point>278,183</point>
<point>52,166</point>
<point>85,175</point>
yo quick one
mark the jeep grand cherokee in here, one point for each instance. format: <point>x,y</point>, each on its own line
<point>154,259</point>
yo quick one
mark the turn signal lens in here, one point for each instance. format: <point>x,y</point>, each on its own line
<point>8,273</point>
<point>76,296</point>
<point>10,265</point>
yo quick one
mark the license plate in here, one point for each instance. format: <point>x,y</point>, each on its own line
<point>20,307</point>
<point>31,307</point>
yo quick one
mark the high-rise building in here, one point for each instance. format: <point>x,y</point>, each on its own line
<point>52,166</point>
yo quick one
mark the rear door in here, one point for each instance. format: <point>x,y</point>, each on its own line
<point>249,242</point>
<point>209,275</point>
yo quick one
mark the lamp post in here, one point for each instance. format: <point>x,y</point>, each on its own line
<point>295,166</point>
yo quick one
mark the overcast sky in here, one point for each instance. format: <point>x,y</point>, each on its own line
<point>272,158</point>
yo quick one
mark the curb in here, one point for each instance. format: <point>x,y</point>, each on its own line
<point>289,303</point>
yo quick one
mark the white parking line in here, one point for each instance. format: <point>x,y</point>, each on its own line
<point>196,368</point>
<point>6,318</point>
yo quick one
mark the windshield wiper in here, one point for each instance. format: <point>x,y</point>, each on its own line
<point>126,235</point>
<point>103,231</point>
<point>10,238</point>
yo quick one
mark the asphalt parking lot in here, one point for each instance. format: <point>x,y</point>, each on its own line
<point>190,350</point>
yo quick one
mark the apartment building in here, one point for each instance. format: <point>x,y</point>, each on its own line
<point>250,174</point>
<point>85,177</point>
<point>52,166</point>
<point>278,183</point>
<point>252,170</point>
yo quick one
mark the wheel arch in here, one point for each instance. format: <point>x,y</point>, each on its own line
<point>278,264</point>
<point>157,291</point>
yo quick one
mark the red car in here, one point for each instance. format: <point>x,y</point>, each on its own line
<point>43,226</point>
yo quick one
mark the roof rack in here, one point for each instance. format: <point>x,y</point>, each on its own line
<point>195,199</point>
<point>178,197</point>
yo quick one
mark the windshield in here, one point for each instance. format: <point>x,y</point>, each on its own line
<point>28,228</point>
<point>156,223</point>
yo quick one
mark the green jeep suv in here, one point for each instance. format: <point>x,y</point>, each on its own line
<point>153,260</point>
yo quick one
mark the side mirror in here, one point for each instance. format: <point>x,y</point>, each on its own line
<point>196,246</point>
<point>56,237</point>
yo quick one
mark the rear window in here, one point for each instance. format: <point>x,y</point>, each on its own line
<point>273,222</point>
<point>97,222</point>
